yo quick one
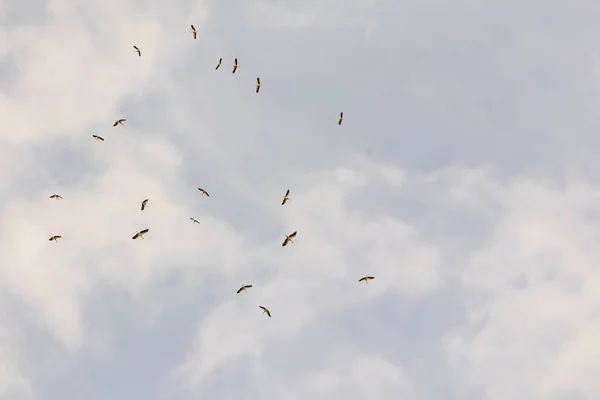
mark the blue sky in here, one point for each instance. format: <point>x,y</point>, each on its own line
<point>464,178</point>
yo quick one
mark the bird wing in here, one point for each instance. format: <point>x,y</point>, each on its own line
<point>137,235</point>
<point>58,236</point>
<point>193,27</point>
<point>362,279</point>
<point>287,193</point>
<point>370,277</point>
<point>143,206</point>
<point>284,200</point>
<point>263,308</point>
<point>116,123</point>
<point>269,313</point>
<point>101,138</point>
<point>144,231</point>
<point>240,289</point>
<point>248,286</point>
<point>258,80</point>
<point>194,35</point>
<point>293,235</point>
<point>285,241</point>
<point>341,115</point>
<point>257,88</point>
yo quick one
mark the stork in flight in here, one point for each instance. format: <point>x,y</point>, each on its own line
<point>244,289</point>
<point>265,311</point>
<point>286,198</point>
<point>140,234</point>
<point>288,238</point>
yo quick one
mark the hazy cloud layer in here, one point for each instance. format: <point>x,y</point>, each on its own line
<point>464,178</point>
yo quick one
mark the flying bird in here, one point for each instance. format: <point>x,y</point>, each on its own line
<point>55,238</point>
<point>137,50</point>
<point>140,234</point>
<point>341,118</point>
<point>56,196</point>
<point>366,278</point>
<point>194,31</point>
<point>235,65</point>
<point>244,288</point>
<point>98,138</point>
<point>144,204</point>
<point>204,192</point>
<point>258,85</point>
<point>219,64</point>
<point>194,220</point>
<point>266,310</point>
<point>286,197</point>
<point>119,121</point>
<point>288,238</point>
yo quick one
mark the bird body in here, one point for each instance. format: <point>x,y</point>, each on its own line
<point>194,31</point>
<point>288,238</point>
<point>286,197</point>
<point>366,278</point>
<point>194,220</point>
<point>265,311</point>
<point>144,204</point>
<point>258,85</point>
<point>55,238</point>
<point>219,63</point>
<point>341,118</point>
<point>244,288</point>
<point>140,234</point>
<point>204,192</point>
<point>119,121</point>
<point>235,66</point>
<point>138,51</point>
<point>98,138</point>
<point>56,196</point>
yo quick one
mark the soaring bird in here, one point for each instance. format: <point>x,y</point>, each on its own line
<point>55,238</point>
<point>194,220</point>
<point>341,118</point>
<point>194,31</point>
<point>286,197</point>
<point>98,138</point>
<point>258,85</point>
<point>288,238</point>
<point>366,278</point>
<point>140,234</point>
<point>138,50</point>
<point>119,121</point>
<point>56,196</point>
<point>219,63</point>
<point>244,288</point>
<point>266,310</point>
<point>204,192</point>
<point>144,204</point>
<point>235,65</point>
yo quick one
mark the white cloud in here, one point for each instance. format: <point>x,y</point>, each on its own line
<point>517,252</point>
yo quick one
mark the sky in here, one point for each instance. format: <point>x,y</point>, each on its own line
<point>465,178</point>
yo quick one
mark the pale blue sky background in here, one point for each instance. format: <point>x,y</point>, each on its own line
<point>464,178</point>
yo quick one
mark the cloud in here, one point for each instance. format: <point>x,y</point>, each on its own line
<point>463,179</point>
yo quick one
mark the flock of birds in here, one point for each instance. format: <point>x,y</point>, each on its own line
<point>140,234</point>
